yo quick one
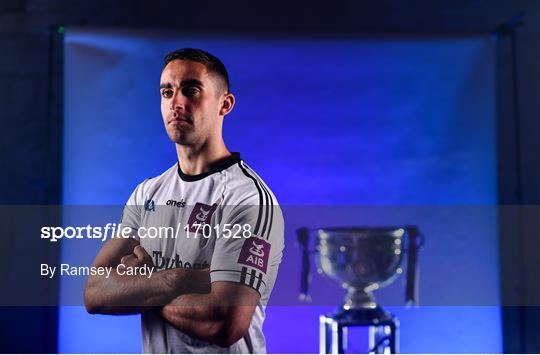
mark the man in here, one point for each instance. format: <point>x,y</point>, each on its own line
<point>214,277</point>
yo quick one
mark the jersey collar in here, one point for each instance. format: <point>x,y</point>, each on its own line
<point>216,167</point>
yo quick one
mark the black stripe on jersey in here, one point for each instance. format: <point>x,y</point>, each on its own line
<point>244,274</point>
<point>259,278</point>
<point>261,204</point>
<point>270,206</point>
<point>252,278</point>
<point>266,204</point>
<point>259,283</point>
<point>267,198</point>
<point>255,276</point>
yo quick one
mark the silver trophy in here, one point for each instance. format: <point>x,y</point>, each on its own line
<point>361,260</point>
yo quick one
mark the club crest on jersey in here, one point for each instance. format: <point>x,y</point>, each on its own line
<point>255,253</point>
<point>149,206</point>
<point>201,214</point>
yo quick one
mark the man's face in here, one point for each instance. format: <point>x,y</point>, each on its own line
<point>191,102</point>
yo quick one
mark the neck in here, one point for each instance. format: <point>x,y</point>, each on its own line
<point>195,160</point>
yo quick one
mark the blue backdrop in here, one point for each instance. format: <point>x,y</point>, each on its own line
<point>404,121</point>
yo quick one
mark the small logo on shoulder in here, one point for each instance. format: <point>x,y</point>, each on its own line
<point>149,205</point>
<point>255,253</point>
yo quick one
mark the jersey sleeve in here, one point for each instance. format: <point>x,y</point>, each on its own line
<point>132,213</point>
<point>253,257</point>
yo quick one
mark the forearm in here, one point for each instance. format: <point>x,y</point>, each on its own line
<point>197,315</point>
<point>127,294</point>
<point>221,317</point>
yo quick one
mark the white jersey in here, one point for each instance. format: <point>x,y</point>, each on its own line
<point>226,218</point>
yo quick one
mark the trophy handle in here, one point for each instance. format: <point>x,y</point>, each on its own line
<point>415,242</point>
<point>302,236</point>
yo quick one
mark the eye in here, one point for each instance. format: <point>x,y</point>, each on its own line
<point>190,91</point>
<point>166,93</point>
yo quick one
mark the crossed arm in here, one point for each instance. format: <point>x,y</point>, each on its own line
<point>219,313</point>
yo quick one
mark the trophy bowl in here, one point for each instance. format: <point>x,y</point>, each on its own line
<point>360,259</point>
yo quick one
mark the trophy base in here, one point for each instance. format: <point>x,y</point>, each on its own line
<point>359,300</point>
<point>375,315</point>
<point>383,330</point>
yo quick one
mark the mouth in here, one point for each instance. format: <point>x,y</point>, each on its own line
<point>180,120</point>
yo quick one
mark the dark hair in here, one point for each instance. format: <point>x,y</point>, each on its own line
<point>211,62</point>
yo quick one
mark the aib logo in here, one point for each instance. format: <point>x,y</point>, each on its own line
<point>149,205</point>
<point>201,214</point>
<point>257,249</point>
<point>255,253</point>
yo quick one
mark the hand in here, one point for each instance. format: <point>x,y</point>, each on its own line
<point>139,258</point>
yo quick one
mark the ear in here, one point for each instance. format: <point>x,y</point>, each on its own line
<point>227,104</point>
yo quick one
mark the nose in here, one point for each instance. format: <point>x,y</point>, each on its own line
<point>177,101</point>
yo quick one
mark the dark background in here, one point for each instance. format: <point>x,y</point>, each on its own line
<point>30,111</point>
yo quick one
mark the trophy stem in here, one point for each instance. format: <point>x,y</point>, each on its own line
<point>359,299</point>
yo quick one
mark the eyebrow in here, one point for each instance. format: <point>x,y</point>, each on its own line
<point>184,83</point>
